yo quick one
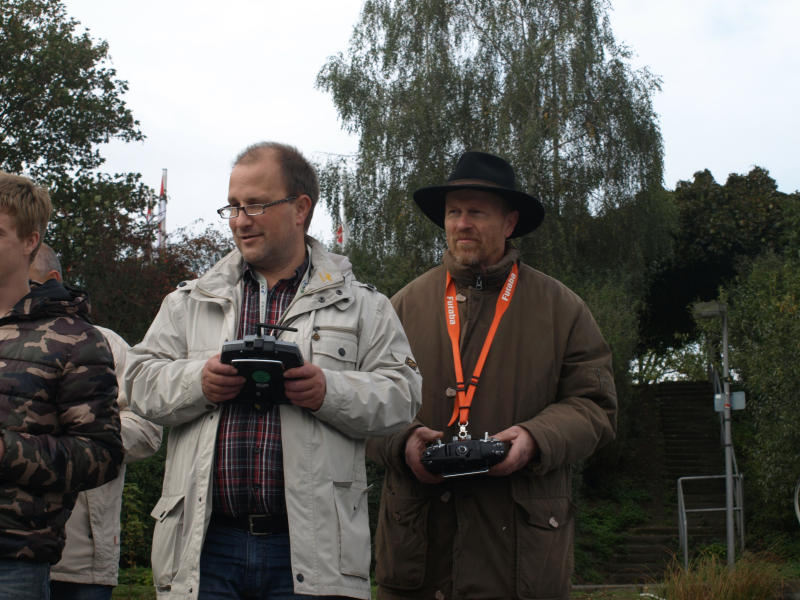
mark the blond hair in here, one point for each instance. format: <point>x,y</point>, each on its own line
<point>27,203</point>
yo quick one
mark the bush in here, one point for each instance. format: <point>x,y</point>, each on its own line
<point>135,583</point>
<point>765,326</point>
<point>601,525</point>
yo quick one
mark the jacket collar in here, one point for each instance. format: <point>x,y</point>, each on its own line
<point>51,299</point>
<point>492,278</point>
<point>225,276</point>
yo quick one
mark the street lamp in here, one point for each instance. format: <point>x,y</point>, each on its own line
<point>705,310</point>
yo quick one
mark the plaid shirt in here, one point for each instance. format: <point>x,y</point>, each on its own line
<point>249,460</point>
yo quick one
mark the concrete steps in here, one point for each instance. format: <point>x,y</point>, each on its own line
<point>690,437</point>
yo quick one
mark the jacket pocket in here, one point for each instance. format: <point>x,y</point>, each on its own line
<point>334,348</point>
<point>401,545</point>
<point>351,509</point>
<point>167,539</point>
<point>544,529</point>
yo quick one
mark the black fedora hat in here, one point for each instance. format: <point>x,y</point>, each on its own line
<point>489,173</point>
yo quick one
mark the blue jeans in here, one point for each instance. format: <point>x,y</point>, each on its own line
<point>64,590</point>
<point>23,580</point>
<point>237,565</point>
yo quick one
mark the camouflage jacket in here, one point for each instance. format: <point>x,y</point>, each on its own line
<point>59,421</point>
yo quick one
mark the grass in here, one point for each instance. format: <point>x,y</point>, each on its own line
<point>132,589</point>
<point>607,594</point>
<point>135,583</point>
<point>753,577</point>
<point>756,576</point>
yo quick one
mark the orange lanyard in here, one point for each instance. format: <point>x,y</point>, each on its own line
<point>466,391</point>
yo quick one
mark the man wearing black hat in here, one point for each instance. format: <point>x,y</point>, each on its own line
<point>507,355</point>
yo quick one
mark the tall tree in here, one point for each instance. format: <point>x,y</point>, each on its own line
<point>542,83</point>
<point>59,98</point>
<point>719,227</point>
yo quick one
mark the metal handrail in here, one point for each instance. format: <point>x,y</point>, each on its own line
<point>683,527</point>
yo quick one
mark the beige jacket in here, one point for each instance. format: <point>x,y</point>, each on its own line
<point>373,388</point>
<point>91,553</point>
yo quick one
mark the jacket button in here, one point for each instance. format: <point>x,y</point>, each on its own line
<point>396,516</point>
<point>341,352</point>
<point>338,292</point>
<point>321,299</point>
<point>446,497</point>
<point>553,522</point>
<point>460,297</point>
<point>315,337</point>
<point>300,577</point>
<point>450,392</point>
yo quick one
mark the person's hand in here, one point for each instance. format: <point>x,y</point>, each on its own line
<point>220,382</point>
<point>523,449</point>
<point>305,386</point>
<point>415,445</point>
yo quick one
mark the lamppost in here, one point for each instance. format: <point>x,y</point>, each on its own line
<point>719,309</point>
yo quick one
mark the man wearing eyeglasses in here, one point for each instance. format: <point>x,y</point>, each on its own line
<point>270,504</point>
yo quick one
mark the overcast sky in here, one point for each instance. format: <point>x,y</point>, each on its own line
<point>208,79</point>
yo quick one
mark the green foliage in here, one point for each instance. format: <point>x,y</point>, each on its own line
<point>98,219</point>
<point>134,534</point>
<point>142,490</point>
<point>719,227</point>
<point>601,527</point>
<point>99,230</point>
<point>136,576</point>
<point>764,328</point>
<point>685,361</point>
<point>605,298</point>
<point>59,98</point>
<point>743,217</point>
<point>540,83</point>
<point>199,251</point>
<point>113,257</point>
<point>128,292</point>
<point>135,583</point>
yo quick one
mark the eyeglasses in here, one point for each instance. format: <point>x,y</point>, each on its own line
<point>251,210</point>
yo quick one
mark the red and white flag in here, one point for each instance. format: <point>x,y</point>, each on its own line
<point>341,233</point>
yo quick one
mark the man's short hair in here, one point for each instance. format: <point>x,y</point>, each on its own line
<point>298,174</point>
<point>47,260</point>
<point>27,203</point>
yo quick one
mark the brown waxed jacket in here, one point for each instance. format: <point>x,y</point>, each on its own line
<point>549,371</point>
